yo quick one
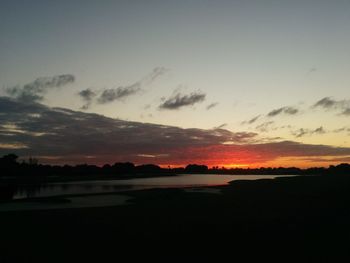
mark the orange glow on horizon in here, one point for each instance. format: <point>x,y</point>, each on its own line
<point>285,162</point>
<point>226,156</point>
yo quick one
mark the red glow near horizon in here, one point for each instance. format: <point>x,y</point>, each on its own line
<point>227,156</point>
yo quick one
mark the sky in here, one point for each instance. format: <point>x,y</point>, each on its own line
<point>228,83</point>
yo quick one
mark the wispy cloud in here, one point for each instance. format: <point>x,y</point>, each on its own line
<point>283,110</point>
<point>328,103</point>
<point>304,132</point>
<point>157,72</point>
<point>109,95</point>
<point>319,130</point>
<point>35,90</point>
<point>264,127</point>
<point>252,120</point>
<point>212,105</point>
<point>178,100</point>
<point>221,126</point>
<point>300,133</point>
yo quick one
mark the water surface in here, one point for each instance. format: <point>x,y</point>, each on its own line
<point>112,186</point>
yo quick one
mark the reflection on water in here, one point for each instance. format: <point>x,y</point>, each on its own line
<point>111,186</point>
<point>59,189</point>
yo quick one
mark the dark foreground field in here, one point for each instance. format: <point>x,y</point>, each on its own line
<point>300,219</point>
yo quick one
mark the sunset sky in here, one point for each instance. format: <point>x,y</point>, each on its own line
<point>233,83</point>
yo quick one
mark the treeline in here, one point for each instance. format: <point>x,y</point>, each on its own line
<point>10,166</point>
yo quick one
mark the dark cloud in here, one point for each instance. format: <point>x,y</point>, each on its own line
<point>87,96</point>
<point>178,100</point>
<point>243,137</point>
<point>251,121</point>
<point>35,91</point>
<point>110,95</point>
<point>275,112</point>
<point>303,132</point>
<point>114,94</point>
<point>62,135</point>
<point>300,133</point>
<point>319,130</point>
<point>58,131</point>
<point>326,103</point>
<point>284,110</point>
<point>291,110</point>
<point>212,105</point>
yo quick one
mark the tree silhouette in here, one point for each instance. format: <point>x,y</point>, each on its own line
<point>9,160</point>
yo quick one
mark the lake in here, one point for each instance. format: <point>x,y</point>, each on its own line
<point>112,186</point>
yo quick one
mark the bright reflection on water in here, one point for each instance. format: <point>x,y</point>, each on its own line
<point>111,186</point>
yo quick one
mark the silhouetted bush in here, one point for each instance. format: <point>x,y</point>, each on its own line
<point>148,168</point>
<point>195,168</point>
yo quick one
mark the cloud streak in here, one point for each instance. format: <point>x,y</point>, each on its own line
<point>110,95</point>
<point>265,126</point>
<point>154,75</point>
<point>328,103</point>
<point>283,110</point>
<point>178,100</point>
<point>35,90</point>
<point>212,105</point>
<point>221,126</point>
<point>252,120</point>
<point>307,132</point>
